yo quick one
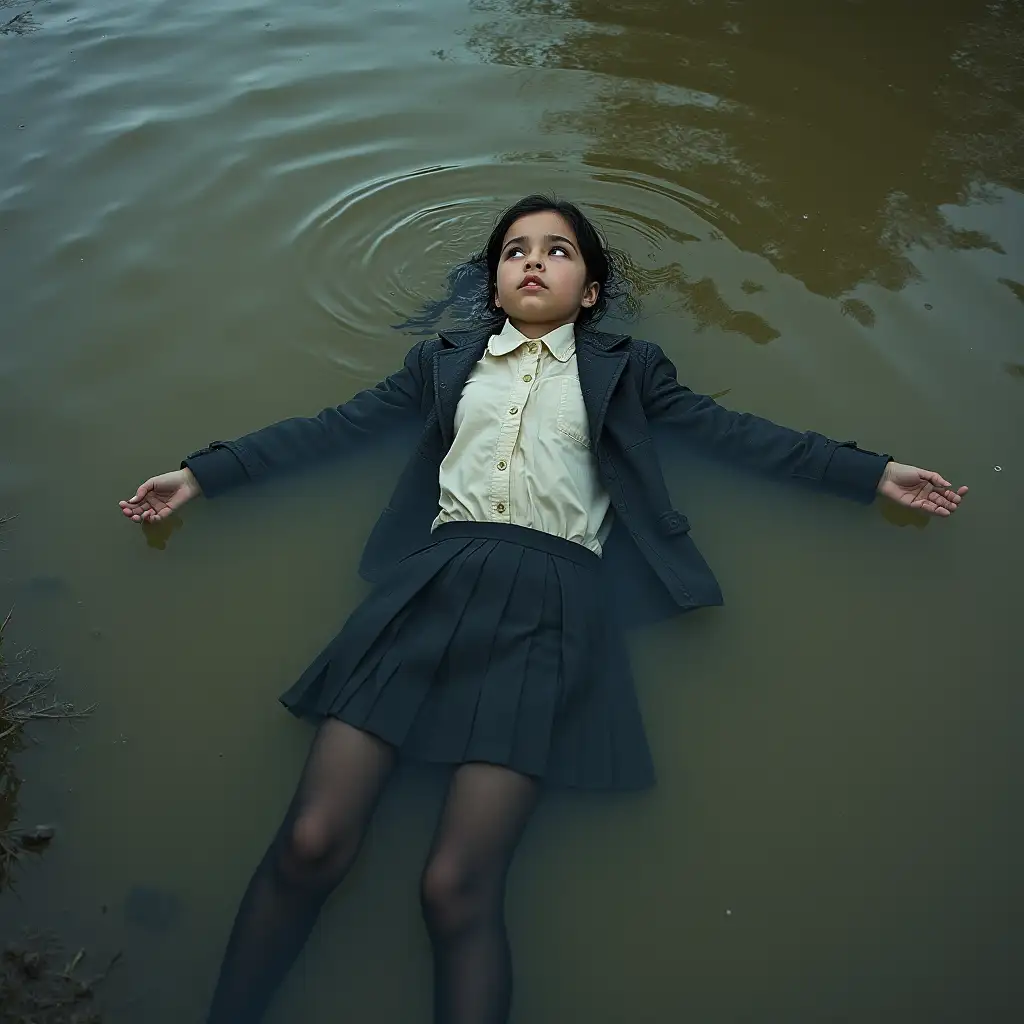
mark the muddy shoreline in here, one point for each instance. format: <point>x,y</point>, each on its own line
<point>41,982</point>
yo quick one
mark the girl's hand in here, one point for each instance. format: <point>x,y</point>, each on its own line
<point>919,488</point>
<point>159,496</point>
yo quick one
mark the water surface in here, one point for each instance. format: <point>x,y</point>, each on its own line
<point>210,217</point>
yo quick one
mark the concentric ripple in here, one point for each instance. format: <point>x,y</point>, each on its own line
<point>376,254</point>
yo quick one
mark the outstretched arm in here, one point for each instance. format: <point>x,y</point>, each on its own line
<point>836,466</point>
<point>370,415</point>
<point>293,443</point>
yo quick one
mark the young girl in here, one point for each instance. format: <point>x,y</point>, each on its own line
<point>530,522</point>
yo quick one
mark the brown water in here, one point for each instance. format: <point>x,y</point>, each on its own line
<point>211,214</point>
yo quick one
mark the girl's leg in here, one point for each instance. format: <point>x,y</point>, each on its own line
<point>464,892</point>
<point>316,844</point>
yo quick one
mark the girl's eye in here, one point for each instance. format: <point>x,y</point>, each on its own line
<point>519,250</point>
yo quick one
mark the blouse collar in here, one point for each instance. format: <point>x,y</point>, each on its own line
<point>561,342</point>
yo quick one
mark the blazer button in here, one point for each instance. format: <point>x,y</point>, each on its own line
<point>500,507</point>
<point>502,464</point>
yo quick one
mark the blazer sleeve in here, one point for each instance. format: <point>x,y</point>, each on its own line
<point>839,467</point>
<point>294,443</point>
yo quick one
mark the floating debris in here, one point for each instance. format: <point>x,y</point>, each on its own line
<point>37,838</point>
<point>37,984</point>
<point>19,25</point>
<point>36,989</point>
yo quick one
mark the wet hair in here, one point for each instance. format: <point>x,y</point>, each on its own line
<point>472,286</point>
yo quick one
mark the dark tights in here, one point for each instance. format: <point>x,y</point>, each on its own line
<point>463,889</point>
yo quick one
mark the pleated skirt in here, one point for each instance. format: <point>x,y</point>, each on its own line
<point>493,644</point>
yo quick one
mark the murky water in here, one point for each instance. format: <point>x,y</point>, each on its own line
<point>211,214</point>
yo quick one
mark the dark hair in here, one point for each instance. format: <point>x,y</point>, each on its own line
<point>472,285</point>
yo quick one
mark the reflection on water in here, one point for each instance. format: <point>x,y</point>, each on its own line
<point>211,217</point>
<point>832,136</point>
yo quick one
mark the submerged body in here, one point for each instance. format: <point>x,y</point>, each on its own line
<point>531,523</point>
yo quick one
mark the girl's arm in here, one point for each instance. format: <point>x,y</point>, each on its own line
<point>370,415</point>
<point>837,466</point>
<point>301,441</point>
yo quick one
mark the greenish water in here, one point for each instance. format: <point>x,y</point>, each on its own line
<point>211,214</point>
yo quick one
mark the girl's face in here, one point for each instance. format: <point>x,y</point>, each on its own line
<point>542,279</point>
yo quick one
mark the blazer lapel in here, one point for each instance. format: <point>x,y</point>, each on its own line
<point>600,365</point>
<point>452,367</point>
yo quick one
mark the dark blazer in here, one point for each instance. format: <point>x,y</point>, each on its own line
<point>651,565</point>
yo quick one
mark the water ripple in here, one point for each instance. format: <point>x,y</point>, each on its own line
<point>389,243</point>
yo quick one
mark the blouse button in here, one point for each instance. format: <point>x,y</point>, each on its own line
<point>513,410</point>
<point>527,377</point>
<point>502,464</point>
<point>532,347</point>
<point>500,507</point>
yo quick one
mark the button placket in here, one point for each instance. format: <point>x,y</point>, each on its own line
<point>525,373</point>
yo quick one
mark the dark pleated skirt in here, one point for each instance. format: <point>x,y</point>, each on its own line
<point>492,644</point>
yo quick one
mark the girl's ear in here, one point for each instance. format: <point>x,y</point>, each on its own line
<point>495,301</point>
<point>590,294</point>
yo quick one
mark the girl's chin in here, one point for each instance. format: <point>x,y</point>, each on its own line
<point>535,304</point>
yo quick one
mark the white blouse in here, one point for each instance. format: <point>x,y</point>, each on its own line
<point>521,452</point>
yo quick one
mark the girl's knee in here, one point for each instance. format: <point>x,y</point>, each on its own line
<point>311,847</point>
<point>455,896</point>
